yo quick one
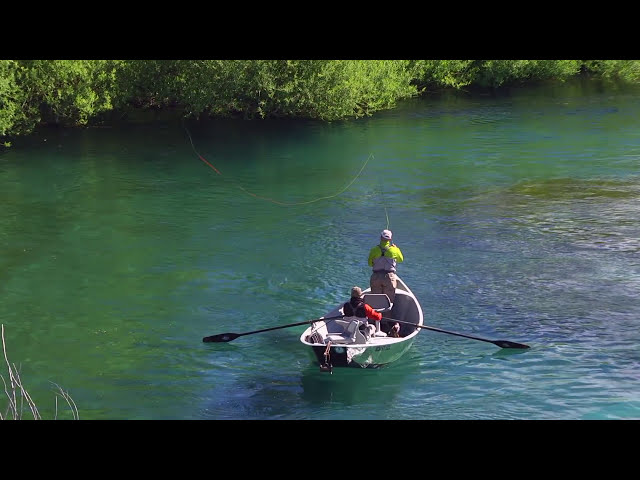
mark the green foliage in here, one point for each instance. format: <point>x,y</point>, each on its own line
<point>489,73</point>
<point>73,92</point>
<point>69,91</point>
<point>373,85</point>
<point>439,74</point>
<point>624,70</point>
<point>497,73</point>
<point>149,83</point>
<point>321,89</point>
<point>11,99</point>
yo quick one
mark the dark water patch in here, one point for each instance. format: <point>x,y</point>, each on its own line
<point>575,188</point>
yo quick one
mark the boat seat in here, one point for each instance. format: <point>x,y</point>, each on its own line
<point>337,331</point>
<point>378,301</point>
<point>341,324</point>
<point>351,333</point>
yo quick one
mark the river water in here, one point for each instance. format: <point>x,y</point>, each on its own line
<point>518,216</point>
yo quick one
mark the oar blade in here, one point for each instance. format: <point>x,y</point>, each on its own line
<point>222,337</point>
<point>508,344</point>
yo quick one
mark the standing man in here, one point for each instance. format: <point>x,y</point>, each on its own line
<point>383,259</point>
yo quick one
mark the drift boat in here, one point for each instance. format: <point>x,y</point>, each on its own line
<point>338,341</point>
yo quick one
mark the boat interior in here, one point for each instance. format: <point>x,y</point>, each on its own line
<point>351,330</point>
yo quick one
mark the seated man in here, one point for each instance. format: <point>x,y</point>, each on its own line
<point>358,310</point>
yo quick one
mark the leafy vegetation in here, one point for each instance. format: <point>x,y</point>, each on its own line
<point>623,70</point>
<point>75,93</point>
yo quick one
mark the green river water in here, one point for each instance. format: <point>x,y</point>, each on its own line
<point>518,216</point>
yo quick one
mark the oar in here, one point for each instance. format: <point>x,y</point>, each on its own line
<point>227,337</point>
<point>500,343</point>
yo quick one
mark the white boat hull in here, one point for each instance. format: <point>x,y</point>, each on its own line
<point>321,338</point>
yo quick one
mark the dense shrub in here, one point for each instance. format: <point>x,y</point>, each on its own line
<point>75,92</point>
